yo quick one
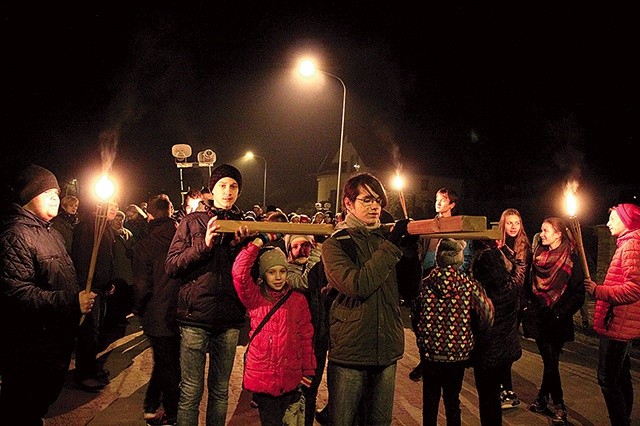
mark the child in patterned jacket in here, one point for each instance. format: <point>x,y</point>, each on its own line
<point>449,308</point>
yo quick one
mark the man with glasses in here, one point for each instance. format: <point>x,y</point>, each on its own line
<point>366,331</point>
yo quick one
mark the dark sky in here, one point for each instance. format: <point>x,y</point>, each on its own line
<point>501,95</point>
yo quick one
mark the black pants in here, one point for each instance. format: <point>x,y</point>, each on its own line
<point>551,383</point>
<point>164,384</point>
<point>441,378</point>
<point>488,387</point>
<point>29,387</point>
<point>271,408</point>
<point>614,378</point>
<point>89,338</point>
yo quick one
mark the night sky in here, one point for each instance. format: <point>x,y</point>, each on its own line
<point>499,95</point>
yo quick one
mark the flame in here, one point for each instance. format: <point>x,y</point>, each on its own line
<point>105,188</point>
<point>570,194</point>
<point>398,182</point>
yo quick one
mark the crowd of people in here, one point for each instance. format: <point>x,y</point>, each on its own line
<point>314,303</point>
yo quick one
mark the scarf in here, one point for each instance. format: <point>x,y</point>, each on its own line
<point>551,272</point>
<point>353,222</point>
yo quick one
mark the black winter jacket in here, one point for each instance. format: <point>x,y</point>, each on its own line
<point>207,297</point>
<point>155,293</point>
<point>39,307</point>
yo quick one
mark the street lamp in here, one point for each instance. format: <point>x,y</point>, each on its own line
<point>307,69</point>
<point>249,156</point>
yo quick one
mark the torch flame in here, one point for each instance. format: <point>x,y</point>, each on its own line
<point>398,182</point>
<point>105,188</point>
<point>570,194</point>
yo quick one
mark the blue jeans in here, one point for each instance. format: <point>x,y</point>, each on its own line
<point>195,343</point>
<point>614,378</point>
<point>374,386</point>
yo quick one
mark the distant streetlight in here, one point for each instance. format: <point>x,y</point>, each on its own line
<point>307,69</point>
<point>250,156</point>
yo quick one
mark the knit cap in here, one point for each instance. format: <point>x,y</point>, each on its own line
<point>32,181</point>
<point>225,170</point>
<point>629,215</point>
<point>271,258</point>
<point>450,252</point>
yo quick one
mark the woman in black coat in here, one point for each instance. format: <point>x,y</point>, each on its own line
<point>499,346</point>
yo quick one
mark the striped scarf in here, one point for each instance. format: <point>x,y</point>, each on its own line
<point>551,272</point>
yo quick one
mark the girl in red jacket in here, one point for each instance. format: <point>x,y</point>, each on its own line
<point>280,356</point>
<point>617,312</point>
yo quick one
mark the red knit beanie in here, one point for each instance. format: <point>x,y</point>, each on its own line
<point>629,215</point>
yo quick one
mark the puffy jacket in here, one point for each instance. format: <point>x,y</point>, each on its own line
<point>282,351</point>
<point>155,294</point>
<point>502,279</point>
<point>207,298</point>
<point>450,307</point>
<point>617,312</point>
<point>39,307</point>
<point>365,326</point>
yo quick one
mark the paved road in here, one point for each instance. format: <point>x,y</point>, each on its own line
<point>129,360</point>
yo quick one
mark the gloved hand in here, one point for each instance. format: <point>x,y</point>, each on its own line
<point>268,237</point>
<point>399,230</point>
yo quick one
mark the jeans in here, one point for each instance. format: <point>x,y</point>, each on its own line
<point>348,386</point>
<point>164,384</point>
<point>551,383</point>
<point>614,378</point>
<point>445,377</point>
<point>195,343</point>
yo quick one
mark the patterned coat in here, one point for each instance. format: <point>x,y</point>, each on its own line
<point>617,313</point>
<point>449,306</point>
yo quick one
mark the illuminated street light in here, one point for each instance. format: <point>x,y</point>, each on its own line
<point>307,69</point>
<point>250,156</point>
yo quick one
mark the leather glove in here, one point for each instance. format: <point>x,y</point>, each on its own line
<point>399,230</point>
<point>268,237</point>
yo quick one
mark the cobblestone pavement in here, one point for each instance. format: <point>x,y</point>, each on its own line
<point>129,360</point>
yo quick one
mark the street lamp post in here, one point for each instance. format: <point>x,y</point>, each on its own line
<point>307,68</point>
<point>250,155</point>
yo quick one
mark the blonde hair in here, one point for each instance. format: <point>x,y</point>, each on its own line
<point>521,245</point>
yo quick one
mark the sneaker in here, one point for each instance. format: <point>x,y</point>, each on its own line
<point>540,405</point>
<point>416,373</point>
<point>509,399</point>
<point>559,415</point>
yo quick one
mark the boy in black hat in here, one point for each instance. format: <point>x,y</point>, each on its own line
<point>209,313</point>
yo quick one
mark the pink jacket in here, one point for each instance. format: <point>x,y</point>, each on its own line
<point>620,292</point>
<point>282,352</point>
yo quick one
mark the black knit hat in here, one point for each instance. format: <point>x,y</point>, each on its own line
<point>32,181</point>
<point>225,170</point>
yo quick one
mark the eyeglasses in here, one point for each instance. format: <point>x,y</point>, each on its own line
<point>368,201</point>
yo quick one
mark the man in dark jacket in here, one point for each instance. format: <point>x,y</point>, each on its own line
<point>210,313</point>
<point>155,300</point>
<point>40,304</point>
